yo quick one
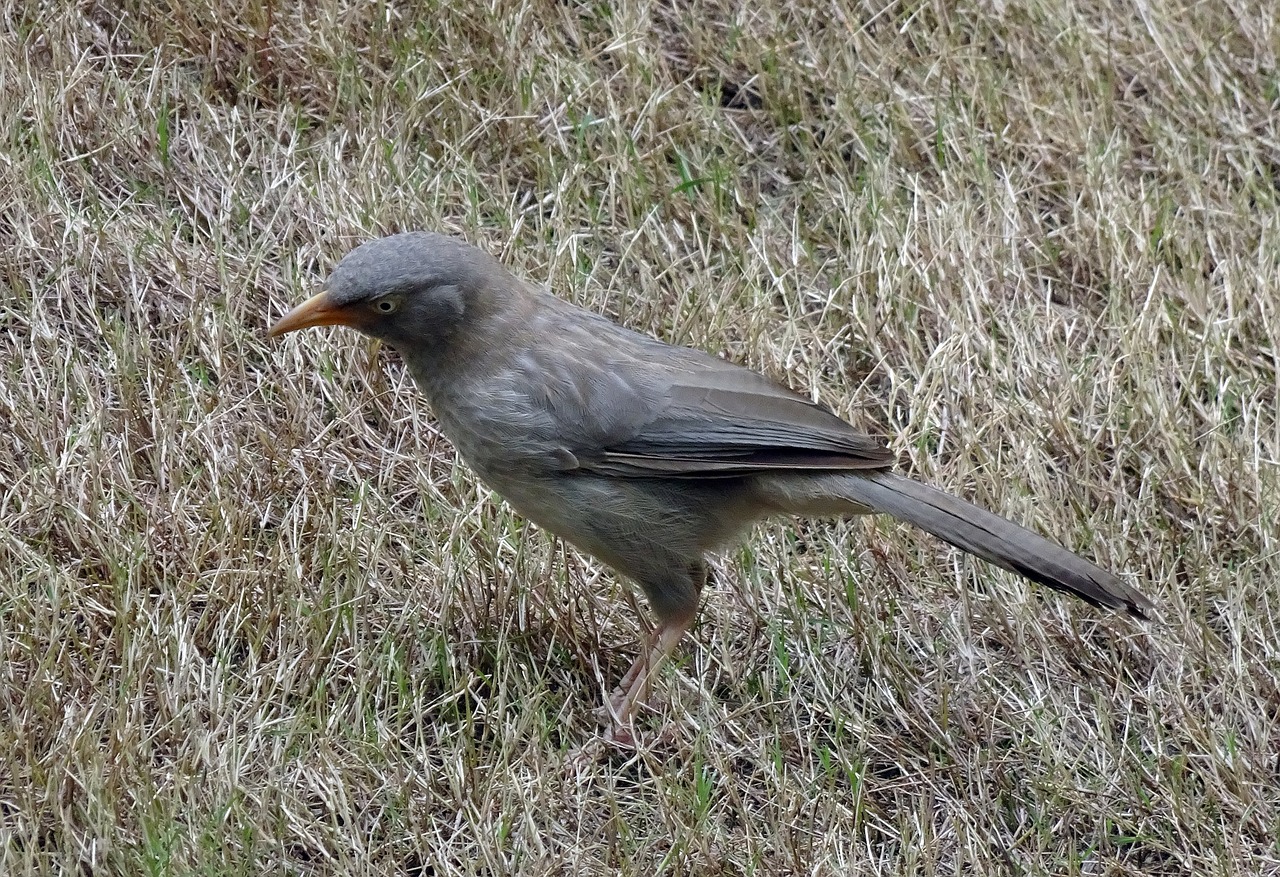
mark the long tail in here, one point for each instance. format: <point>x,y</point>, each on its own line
<point>964,525</point>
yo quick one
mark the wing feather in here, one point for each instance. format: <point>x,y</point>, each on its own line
<point>641,408</point>
<point>730,421</point>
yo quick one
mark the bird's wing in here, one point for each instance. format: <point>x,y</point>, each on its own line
<point>717,419</point>
<point>612,401</point>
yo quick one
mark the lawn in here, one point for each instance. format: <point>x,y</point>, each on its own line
<point>255,618</point>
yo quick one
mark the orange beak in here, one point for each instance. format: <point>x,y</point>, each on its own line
<point>319,310</point>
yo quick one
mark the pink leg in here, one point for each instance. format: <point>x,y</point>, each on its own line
<point>633,691</point>
<point>676,605</point>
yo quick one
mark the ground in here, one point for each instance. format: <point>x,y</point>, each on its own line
<point>254,618</point>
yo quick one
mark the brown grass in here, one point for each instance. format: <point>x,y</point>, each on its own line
<point>254,619</point>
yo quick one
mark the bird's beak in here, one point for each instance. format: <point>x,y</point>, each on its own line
<point>319,310</point>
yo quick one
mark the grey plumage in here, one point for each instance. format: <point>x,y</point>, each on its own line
<point>642,454</point>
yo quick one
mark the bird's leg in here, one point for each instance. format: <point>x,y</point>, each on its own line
<point>633,690</point>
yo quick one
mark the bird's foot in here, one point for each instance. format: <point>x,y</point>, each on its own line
<point>591,752</point>
<point>580,758</point>
<point>617,714</point>
<point>622,736</point>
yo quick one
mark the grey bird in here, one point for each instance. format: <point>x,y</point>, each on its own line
<point>644,455</point>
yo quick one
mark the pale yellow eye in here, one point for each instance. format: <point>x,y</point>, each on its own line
<point>386,305</point>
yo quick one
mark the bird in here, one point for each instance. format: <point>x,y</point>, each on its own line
<point>644,455</point>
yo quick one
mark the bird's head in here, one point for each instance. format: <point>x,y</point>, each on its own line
<point>410,290</point>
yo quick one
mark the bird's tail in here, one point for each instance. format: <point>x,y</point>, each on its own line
<point>964,525</point>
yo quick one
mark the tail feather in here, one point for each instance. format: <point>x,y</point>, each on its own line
<point>990,537</point>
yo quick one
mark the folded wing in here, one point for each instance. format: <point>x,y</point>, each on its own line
<point>728,421</point>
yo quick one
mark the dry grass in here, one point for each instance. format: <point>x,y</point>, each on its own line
<point>253,619</point>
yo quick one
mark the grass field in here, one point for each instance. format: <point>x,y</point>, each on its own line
<point>255,619</point>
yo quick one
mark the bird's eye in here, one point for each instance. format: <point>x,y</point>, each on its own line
<point>386,305</point>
